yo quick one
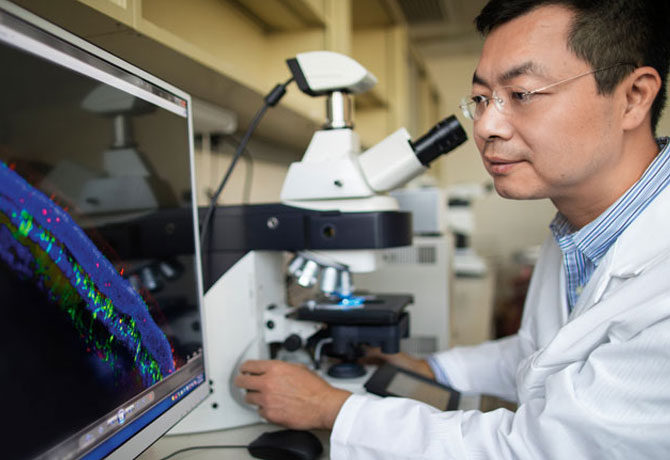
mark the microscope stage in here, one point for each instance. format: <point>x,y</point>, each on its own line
<point>374,310</point>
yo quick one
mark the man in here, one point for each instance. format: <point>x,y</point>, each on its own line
<point>565,100</point>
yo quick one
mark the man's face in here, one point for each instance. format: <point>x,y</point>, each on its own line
<point>564,144</point>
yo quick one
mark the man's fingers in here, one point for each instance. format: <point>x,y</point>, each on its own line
<point>248,382</point>
<point>255,366</point>
<point>253,397</point>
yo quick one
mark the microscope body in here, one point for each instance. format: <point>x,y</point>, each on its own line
<point>246,311</point>
<point>336,216</point>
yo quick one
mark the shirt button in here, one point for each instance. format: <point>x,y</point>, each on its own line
<point>579,290</point>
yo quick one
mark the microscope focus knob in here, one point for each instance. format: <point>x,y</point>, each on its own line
<point>292,343</point>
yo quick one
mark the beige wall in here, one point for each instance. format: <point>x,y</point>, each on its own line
<point>663,128</point>
<point>269,167</point>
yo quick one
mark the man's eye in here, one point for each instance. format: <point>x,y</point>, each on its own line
<point>479,99</point>
<point>523,97</point>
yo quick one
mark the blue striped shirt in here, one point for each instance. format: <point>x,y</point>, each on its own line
<point>583,249</point>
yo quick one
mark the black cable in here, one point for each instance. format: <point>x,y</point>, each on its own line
<point>270,100</point>
<point>186,449</point>
<point>238,153</point>
<point>249,170</point>
<point>248,178</point>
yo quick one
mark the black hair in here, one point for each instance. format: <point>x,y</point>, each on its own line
<point>604,33</point>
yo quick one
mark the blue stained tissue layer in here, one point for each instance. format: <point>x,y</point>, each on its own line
<point>39,240</point>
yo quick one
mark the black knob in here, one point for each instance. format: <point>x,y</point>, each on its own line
<point>293,342</point>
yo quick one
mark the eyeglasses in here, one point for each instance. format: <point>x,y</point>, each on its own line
<point>512,100</point>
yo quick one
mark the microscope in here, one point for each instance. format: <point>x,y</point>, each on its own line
<point>336,217</point>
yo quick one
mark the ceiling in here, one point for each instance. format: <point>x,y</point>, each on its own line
<point>438,28</point>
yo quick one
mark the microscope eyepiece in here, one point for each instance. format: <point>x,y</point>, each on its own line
<point>442,138</point>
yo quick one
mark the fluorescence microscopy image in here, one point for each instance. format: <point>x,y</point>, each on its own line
<point>42,243</point>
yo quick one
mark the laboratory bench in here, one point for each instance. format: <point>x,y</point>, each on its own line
<point>242,436</point>
<point>235,436</point>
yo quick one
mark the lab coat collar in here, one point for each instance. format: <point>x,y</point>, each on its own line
<point>642,245</point>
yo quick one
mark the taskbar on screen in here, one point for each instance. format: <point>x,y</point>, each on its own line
<point>106,434</point>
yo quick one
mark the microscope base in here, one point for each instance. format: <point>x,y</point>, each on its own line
<point>346,370</point>
<point>354,385</point>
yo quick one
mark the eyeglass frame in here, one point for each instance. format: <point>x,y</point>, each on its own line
<point>499,102</point>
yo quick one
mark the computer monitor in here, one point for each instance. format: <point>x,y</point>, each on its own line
<point>100,281</point>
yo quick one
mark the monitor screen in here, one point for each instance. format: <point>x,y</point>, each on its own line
<point>99,268</point>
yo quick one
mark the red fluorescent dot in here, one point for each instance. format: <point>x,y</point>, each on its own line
<point>44,212</point>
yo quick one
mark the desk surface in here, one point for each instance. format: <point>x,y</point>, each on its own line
<point>236,436</point>
<point>241,436</point>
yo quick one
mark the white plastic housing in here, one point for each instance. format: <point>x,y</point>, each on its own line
<point>329,170</point>
<point>391,163</point>
<point>234,332</point>
<point>107,100</point>
<point>328,71</point>
<point>283,326</point>
<point>210,118</point>
<point>358,261</point>
<point>332,169</point>
<point>124,162</point>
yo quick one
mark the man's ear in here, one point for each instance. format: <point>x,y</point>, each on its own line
<point>641,88</point>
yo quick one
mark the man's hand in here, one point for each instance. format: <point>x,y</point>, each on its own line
<point>402,360</point>
<point>290,394</point>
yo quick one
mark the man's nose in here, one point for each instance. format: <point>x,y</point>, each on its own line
<point>492,124</point>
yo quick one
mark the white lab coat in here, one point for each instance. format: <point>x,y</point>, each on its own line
<point>591,385</point>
